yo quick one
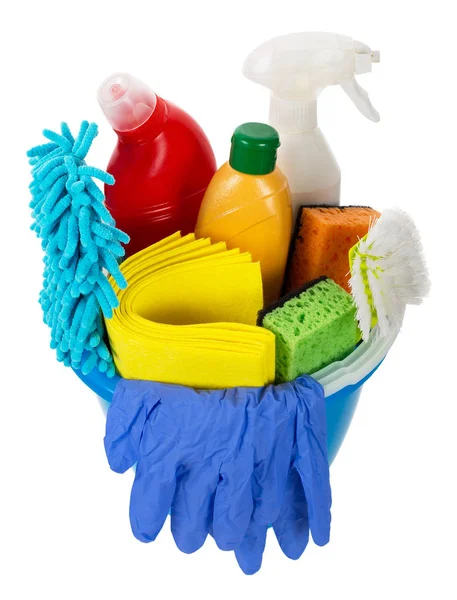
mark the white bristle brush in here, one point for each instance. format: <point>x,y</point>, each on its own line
<point>388,271</point>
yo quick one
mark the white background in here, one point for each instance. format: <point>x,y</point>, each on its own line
<point>64,529</point>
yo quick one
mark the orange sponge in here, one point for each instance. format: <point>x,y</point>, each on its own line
<point>322,240</point>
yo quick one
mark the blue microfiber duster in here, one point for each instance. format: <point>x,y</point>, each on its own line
<point>80,240</point>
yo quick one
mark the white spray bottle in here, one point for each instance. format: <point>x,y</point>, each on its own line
<point>296,68</point>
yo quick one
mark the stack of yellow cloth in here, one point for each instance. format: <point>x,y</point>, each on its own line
<point>188,317</point>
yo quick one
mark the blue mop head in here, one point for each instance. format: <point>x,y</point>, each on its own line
<point>80,240</point>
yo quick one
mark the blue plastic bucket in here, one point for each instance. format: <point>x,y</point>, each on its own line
<point>342,382</point>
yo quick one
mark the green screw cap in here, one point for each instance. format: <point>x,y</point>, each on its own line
<point>254,147</point>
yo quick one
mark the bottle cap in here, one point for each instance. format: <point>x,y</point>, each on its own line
<point>254,147</point>
<point>126,101</point>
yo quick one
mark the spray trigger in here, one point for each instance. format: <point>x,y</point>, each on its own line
<point>361,99</point>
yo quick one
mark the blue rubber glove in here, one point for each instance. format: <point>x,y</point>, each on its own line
<point>194,454</point>
<point>218,461</point>
<point>306,490</point>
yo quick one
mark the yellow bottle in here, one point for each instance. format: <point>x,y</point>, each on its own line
<point>248,204</point>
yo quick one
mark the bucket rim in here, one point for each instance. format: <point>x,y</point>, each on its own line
<point>357,365</point>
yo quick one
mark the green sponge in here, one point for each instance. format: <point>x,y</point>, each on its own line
<point>314,326</point>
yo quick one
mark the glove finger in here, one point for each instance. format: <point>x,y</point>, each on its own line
<point>150,501</point>
<point>312,466</point>
<point>192,507</point>
<point>125,420</point>
<point>250,552</point>
<point>233,501</point>
<point>233,504</point>
<point>273,448</point>
<point>292,526</point>
<point>155,481</point>
<point>311,460</point>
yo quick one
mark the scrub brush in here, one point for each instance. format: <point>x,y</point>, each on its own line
<point>388,271</point>
<point>80,241</point>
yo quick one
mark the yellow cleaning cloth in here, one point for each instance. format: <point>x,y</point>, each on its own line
<point>188,317</point>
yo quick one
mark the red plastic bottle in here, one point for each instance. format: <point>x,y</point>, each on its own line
<point>162,163</point>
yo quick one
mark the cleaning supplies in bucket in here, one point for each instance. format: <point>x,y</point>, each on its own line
<point>241,455</point>
<point>188,316</point>
<point>296,68</point>
<point>229,463</point>
<point>247,204</point>
<point>321,242</point>
<point>162,162</point>
<point>388,271</point>
<point>80,240</point>
<point>314,326</point>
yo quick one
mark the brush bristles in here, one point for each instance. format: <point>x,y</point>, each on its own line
<point>390,261</point>
<point>358,290</point>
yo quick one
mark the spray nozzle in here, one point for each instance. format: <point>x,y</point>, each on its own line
<point>298,66</point>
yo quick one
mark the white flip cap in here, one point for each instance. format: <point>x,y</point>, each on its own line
<point>126,101</point>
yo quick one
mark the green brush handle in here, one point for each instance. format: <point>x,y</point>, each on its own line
<point>364,272</point>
